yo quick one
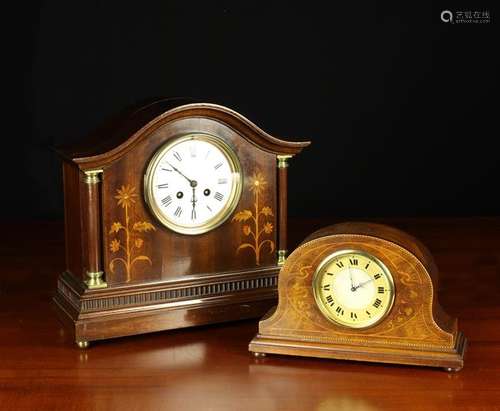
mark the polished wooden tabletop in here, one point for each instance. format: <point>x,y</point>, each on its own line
<point>209,368</point>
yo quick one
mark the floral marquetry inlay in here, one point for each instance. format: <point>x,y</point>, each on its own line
<point>127,236</point>
<point>254,221</point>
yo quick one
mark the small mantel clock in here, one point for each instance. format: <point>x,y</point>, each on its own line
<point>363,292</point>
<point>175,216</point>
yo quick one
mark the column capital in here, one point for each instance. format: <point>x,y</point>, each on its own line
<point>92,176</point>
<point>283,160</point>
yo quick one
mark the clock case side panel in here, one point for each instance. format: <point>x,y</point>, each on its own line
<point>75,250</point>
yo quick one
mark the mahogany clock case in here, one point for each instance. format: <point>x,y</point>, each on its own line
<point>126,273</point>
<point>415,331</point>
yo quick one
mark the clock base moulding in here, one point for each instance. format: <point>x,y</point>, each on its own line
<point>450,360</point>
<point>97,314</point>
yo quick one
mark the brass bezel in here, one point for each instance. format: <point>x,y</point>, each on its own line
<point>231,204</point>
<point>316,284</point>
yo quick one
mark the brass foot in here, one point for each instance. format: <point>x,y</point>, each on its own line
<point>281,257</point>
<point>259,354</point>
<point>82,344</point>
<point>450,369</point>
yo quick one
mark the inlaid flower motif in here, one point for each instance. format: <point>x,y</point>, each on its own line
<point>255,219</point>
<point>142,226</point>
<point>267,211</point>
<point>115,245</point>
<point>130,233</point>
<point>257,183</point>
<point>126,196</point>
<point>115,227</point>
<point>243,215</point>
<point>268,228</point>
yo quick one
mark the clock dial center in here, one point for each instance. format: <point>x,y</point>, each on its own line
<point>354,288</point>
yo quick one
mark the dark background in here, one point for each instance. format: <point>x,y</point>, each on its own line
<point>401,108</point>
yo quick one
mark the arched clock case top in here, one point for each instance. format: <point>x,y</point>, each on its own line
<point>127,272</point>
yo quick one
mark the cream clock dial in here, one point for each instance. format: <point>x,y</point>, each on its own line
<point>193,183</point>
<point>353,289</point>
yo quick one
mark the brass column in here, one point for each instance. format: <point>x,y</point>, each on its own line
<point>92,229</point>
<point>282,206</point>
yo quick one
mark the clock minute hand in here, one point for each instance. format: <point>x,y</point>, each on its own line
<point>363,283</point>
<point>182,174</point>
<point>352,283</point>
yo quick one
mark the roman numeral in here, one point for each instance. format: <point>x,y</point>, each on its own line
<point>166,169</point>
<point>326,287</point>
<point>222,181</point>
<point>209,209</point>
<point>366,266</point>
<point>369,313</point>
<point>218,196</point>
<point>163,185</point>
<point>354,316</point>
<point>166,201</point>
<point>377,303</point>
<point>178,211</point>
<point>217,166</point>
<point>329,300</point>
<point>381,290</point>
<point>339,310</point>
<point>377,276</point>
<point>193,214</point>
<point>340,264</point>
<point>329,273</point>
<point>177,156</point>
<point>353,261</point>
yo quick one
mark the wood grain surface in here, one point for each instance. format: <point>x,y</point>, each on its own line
<point>210,368</point>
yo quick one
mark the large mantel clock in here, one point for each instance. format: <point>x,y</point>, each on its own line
<point>175,216</point>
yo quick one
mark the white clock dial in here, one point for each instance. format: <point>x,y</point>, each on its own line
<point>193,183</point>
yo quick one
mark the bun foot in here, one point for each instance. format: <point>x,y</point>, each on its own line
<point>82,344</point>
